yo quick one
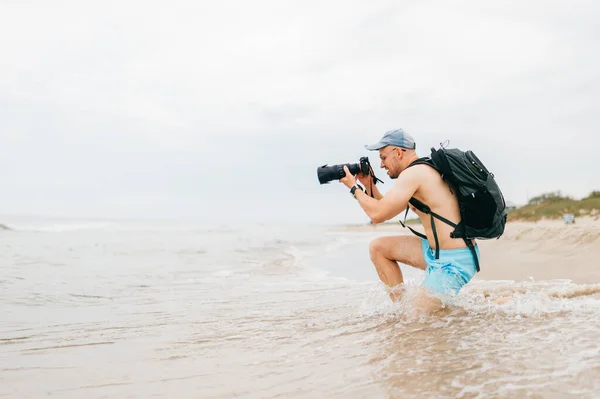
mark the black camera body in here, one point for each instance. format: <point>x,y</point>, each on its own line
<point>327,173</point>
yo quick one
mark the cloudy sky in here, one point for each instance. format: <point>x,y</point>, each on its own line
<point>223,110</point>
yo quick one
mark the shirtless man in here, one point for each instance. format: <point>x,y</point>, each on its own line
<point>456,265</point>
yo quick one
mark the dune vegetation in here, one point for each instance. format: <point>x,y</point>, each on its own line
<point>554,205</point>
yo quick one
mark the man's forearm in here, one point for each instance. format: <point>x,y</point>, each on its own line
<point>369,205</point>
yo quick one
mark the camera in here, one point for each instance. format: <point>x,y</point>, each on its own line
<point>327,173</point>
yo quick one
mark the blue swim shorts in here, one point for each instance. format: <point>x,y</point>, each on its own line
<point>448,274</point>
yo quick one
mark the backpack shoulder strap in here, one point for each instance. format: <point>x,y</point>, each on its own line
<point>422,161</point>
<point>423,207</point>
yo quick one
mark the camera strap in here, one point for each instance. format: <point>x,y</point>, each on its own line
<point>374,179</point>
<point>372,173</point>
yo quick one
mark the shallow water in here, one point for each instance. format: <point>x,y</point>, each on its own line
<point>171,310</point>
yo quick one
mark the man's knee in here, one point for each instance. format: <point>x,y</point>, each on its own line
<point>377,247</point>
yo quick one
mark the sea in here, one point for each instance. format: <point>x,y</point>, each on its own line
<point>131,309</point>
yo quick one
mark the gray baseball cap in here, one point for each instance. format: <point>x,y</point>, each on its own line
<point>398,138</point>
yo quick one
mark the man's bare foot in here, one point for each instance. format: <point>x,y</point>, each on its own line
<point>397,293</point>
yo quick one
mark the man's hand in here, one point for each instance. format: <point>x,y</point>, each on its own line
<point>366,180</point>
<point>348,180</point>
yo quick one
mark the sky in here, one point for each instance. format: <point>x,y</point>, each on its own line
<point>223,111</point>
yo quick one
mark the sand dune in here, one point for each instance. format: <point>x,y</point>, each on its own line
<point>544,250</point>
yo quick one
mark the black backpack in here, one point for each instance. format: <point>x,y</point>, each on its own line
<point>481,203</point>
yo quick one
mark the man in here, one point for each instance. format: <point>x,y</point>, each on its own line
<point>455,265</point>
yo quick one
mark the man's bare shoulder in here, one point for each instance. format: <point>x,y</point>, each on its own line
<point>419,177</point>
<point>419,172</point>
<point>413,178</point>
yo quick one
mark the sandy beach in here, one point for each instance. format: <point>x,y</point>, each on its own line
<point>544,250</point>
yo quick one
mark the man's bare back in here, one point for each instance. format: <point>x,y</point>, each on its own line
<point>438,195</point>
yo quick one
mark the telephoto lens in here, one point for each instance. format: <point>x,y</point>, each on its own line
<point>327,173</point>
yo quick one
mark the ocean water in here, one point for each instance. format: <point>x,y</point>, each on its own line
<point>188,310</point>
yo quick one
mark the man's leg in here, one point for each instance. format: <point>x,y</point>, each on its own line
<point>425,303</point>
<point>387,251</point>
